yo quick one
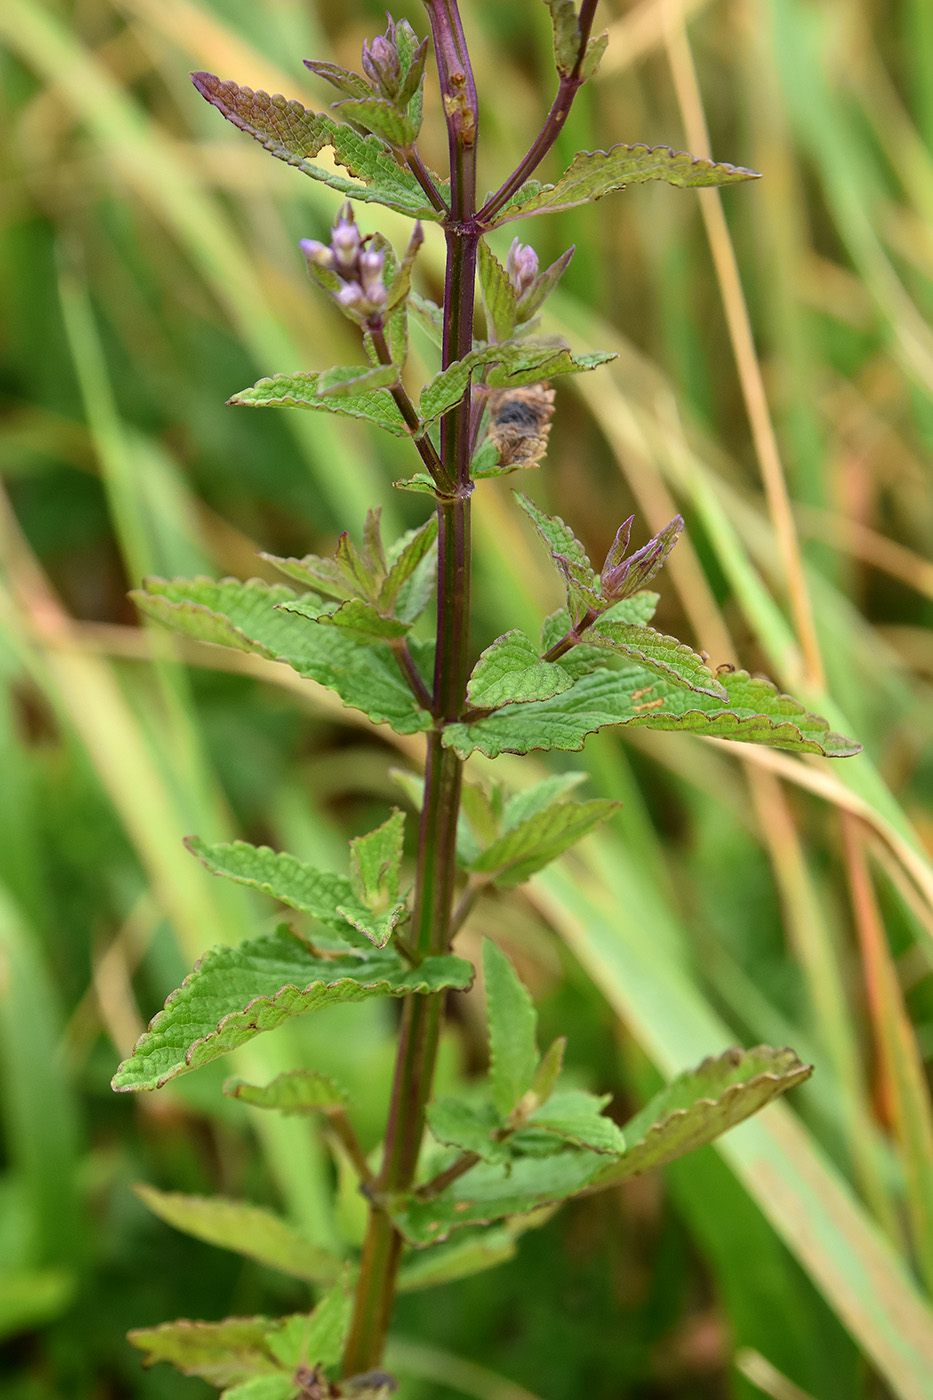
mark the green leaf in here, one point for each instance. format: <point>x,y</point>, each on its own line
<point>513,1053</point>
<point>410,580</point>
<point>344,79</point>
<point>511,671</point>
<point>566,34</point>
<point>296,1091</point>
<point>755,713</point>
<point>498,293</point>
<point>593,174</point>
<point>245,615</point>
<point>234,993</point>
<point>293,134</point>
<point>469,1127</point>
<point>222,1353</point>
<point>426,1268</point>
<point>382,118</point>
<point>703,1103</point>
<point>559,538</point>
<point>277,1387</point>
<point>300,390</point>
<point>375,860</point>
<point>530,801</point>
<point>491,1192</point>
<point>420,483</point>
<point>318,893</point>
<point>349,381</point>
<point>549,1068</point>
<point>534,843</point>
<point>356,616</point>
<point>429,315</point>
<point>593,56</point>
<point>399,287</point>
<point>577,1117</point>
<point>657,652</point>
<point>512,364</point>
<point>245,1229</point>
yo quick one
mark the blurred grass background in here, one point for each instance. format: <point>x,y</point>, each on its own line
<point>774,382</point>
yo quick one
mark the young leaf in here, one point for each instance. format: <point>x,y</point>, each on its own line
<point>375,860</point>
<point>523,805</point>
<point>703,1103</point>
<point>755,712</point>
<point>361,619</point>
<point>511,365</point>
<point>513,1054</point>
<point>533,843</point>
<point>244,615</point>
<point>234,993</point>
<point>380,117</point>
<point>566,34</point>
<point>578,1118</point>
<point>458,1124</point>
<point>245,1229</point>
<point>491,1192</point>
<point>511,671</point>
<point>296,1091</point>
<point>425,1268</point>
<point>293,134</point>
<point>671,659</point>
<point>593,174</point>
<point>410,580</point>
<point>300,390</point>
<point>343,79</point>
<point>498,293</point>
<point>559,539</point>
<point>319,893</point>
<point>548,1071</point>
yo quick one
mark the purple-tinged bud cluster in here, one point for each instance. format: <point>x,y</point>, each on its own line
<point>622,577</point>
<point>382,64</point>
<point>522,266</point>
<point>352,272</point>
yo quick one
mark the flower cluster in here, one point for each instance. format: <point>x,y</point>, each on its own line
<point>347,268</point>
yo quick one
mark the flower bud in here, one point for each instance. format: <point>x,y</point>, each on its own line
<point>345,239</point>
<point>317,253</point>
<point>350,296</point>
<point>522,266</point>
<point>382,65</point>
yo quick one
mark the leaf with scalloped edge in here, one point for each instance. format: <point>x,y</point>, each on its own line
<point>510,366</point>
<point>756,713</point>
<point>300,390</point>
<point>380,117</point>
<point>666,655</point>
<point>510,1011</point>
<point>593,174</point>
<point>469,1127</point>
<point>410,581</point>
<point>559,538</point>
<point>701,1104</point>
<point>245,1229</point>
<point>294,134</point>
<point>295,1091</point>
<point>469,1254</point>
<point>321,894</point>
<point>361,619</point>
<point>235,993</point>
<point>541,838</point>
<point>577,1117</point>
<point>499,295</point>
<point>246,616</point>
<point>240,1348</point>
<point>510,671</point>
<point>566,34</point>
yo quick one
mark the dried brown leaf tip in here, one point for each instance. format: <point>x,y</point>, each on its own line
<point>520,422</point>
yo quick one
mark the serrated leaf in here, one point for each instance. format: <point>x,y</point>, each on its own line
<point>593,174</point>
<point>577,1117</point>
<point>375,860</point>
<point>559,538</point>
<point>426,1268</point>
<point>498,293</point>
<point>549,1068</point>
<point>467,1126</point>
<point>245,1229</point>
<point>410,580</point>
<point>343,79</point>
<point>277,1387</point>
<point>318,893</point>
<point>531,800</point>
<point>382,118</point>
<point>491,1192</point>
<point>511,671</point>
<point>293,134</point>
<point>657,652</point>
<point>244,615</point>
<point>534,843</point>
<point>235,993</point>
<point>513,1053</point>
<point>296,1091</point>
<point>300,390</point>
<point>756,713</point>
<point>356,616</point>
<point>511,365</point>
<point>222,1353</point>
<point>350,381</point>
<point>566,34</point>
<point>703,1103</point>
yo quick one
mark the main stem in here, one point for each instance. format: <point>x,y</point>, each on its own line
<point>434,887</point>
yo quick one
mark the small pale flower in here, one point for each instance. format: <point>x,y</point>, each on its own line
<point>522,266</point>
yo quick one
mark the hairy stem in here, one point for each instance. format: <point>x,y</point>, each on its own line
<point>435,881</point>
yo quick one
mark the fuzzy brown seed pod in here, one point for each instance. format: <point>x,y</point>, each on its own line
<point>519,423</point>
